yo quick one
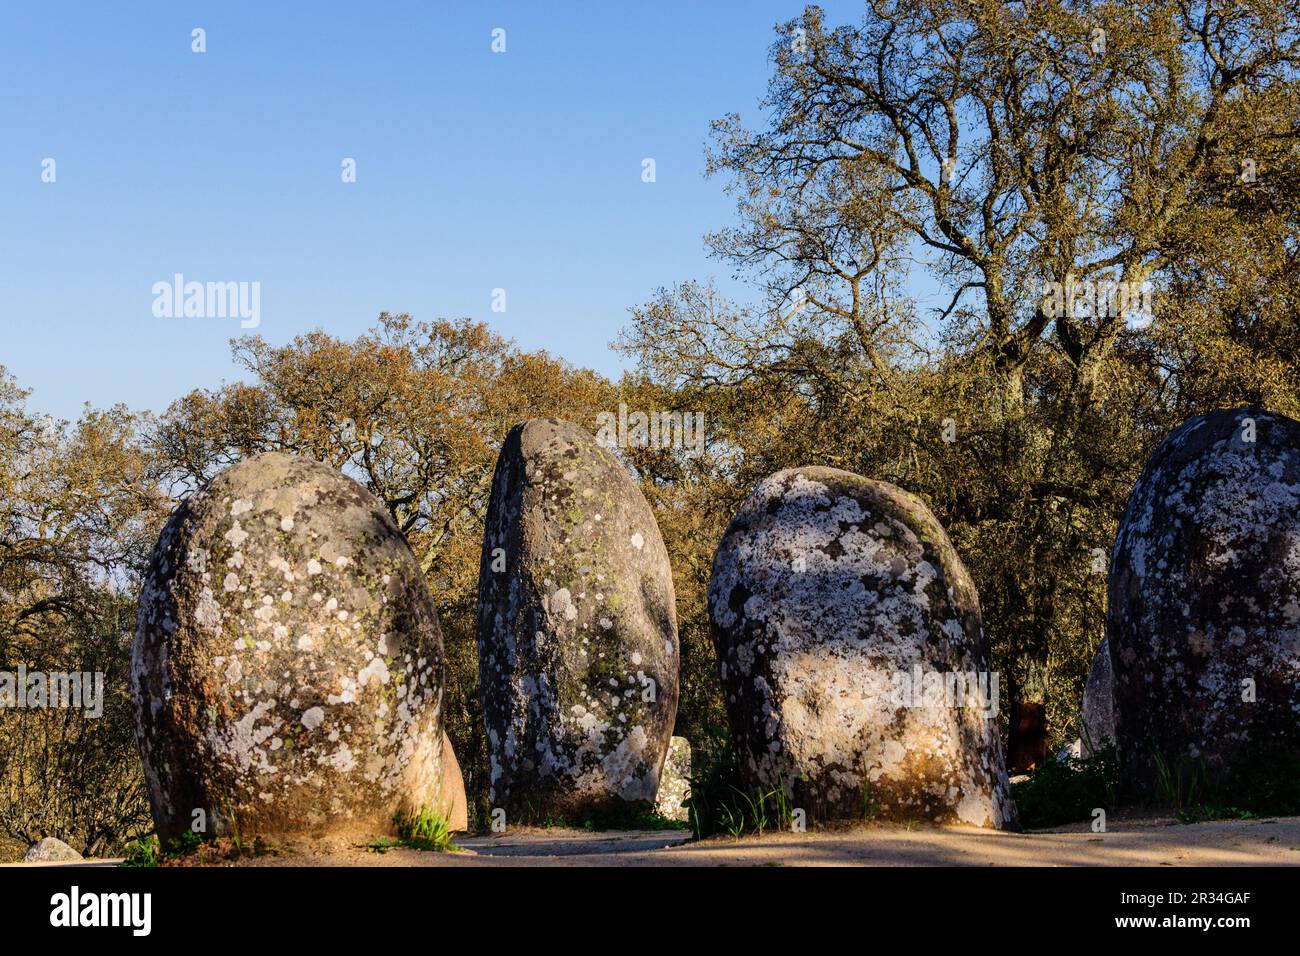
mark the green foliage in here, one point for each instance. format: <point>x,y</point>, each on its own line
<point>870,807</point>
<point>187,842</point>
<point>721,803</point>
<point>426,830</point>
<point>1180,783</point>
<point>142,851</point>
<point>1264,782</point>
<point>1068,789</point>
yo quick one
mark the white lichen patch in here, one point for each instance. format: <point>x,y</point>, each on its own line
<point>376,670</point>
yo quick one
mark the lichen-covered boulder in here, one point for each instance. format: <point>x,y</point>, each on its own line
<point>1098,704</point>
<point>852,658</point>
<point>675,781</point>
<point>577,629</point>
<point>1203,618</point>
<point>287,666</point>
<point>51,850</point>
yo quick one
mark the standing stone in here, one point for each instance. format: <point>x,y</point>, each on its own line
<point>577,629</point>
<point>852,657</point>
<point>287,666</point>
<point>51,850</point>
<point>1098,703</point>
<point>1203,618</point>
<point>1073,749</point>
<point>675,781</point>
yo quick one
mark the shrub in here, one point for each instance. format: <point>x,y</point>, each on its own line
<point>1068,789</point>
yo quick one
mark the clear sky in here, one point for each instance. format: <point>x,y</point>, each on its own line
<point>475,171</point>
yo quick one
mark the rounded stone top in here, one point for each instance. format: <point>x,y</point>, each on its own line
<point>822,545</point>
<point>1219,500</point>
<point>571,496</point>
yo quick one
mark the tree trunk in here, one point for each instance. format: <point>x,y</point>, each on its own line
<point>1027,746</point>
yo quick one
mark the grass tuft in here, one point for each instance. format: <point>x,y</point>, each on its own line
<point>426,830</point>
<point>721,803</point>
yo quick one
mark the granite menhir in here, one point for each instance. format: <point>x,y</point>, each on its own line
<point>577,630</point>
<point>852,656</point>
<point>1203,619</point>
<point>287,667</point>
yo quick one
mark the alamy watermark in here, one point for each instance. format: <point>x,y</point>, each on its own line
<point>1104,299</point>
<point>42,690</point>
<point>624,429</point>
<point>75,908</point>
<point>208,300</point>
<point>918,688</point>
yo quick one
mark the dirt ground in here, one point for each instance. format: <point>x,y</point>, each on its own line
<point>1137,841</point>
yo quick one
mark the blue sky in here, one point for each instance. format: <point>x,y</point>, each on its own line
<point>475,171</point>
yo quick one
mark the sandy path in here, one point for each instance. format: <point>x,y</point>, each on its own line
<point>1131,842</point>
<point>1135,842</point>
